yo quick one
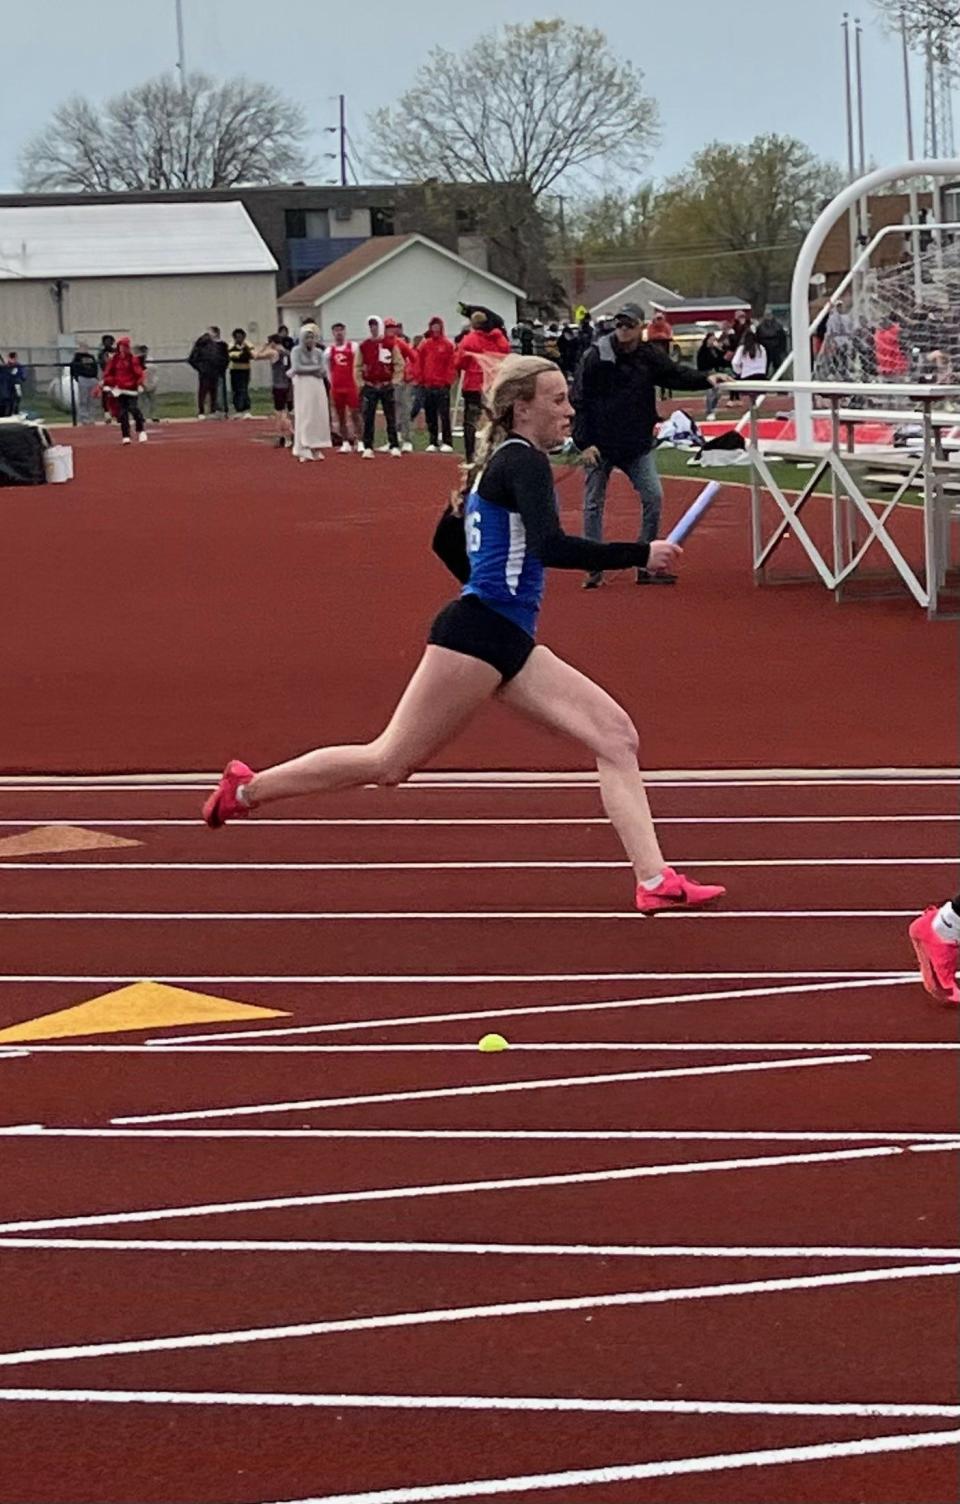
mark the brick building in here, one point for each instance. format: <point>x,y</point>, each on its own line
<point>883,209</point>
<point>308,227</point>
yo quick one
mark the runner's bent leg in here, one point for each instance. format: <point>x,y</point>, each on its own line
<point>444,693</point>
<point>559,696</point>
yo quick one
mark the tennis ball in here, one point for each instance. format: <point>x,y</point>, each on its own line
<point>492,1044</point>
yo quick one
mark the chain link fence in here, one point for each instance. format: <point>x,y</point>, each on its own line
<point>49,392</point>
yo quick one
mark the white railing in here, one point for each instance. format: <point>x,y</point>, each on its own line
<point>914,231</point>
<point>806,261</point>
<point>856,521</point>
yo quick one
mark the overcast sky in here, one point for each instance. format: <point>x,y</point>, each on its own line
<point>717,71</point>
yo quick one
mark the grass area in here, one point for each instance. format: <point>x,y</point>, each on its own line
<point>789,475</point>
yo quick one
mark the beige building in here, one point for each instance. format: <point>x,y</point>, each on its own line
<point>158,272</point>
<point>408,277</point>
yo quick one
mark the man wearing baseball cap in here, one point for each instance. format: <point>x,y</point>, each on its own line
<point>615,399</point>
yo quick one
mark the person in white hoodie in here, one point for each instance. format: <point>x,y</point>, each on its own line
<point>311,410</point>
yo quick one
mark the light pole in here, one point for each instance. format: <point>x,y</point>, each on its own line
<point>848,101</point>
<point>863,207</point>
<point>181,51</point>
<point>914,199</point>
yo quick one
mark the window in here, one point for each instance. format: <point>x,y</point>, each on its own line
<point>318,224</point>
<point>381,222</point>
<point>295,221</point>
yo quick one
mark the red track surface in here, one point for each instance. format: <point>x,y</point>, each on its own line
<point>719,1195</point>
<point>204,595</point>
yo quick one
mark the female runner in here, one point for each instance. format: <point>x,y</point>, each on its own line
<point>483,644</point>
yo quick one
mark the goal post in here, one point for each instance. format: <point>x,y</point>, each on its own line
<point>807,258</point>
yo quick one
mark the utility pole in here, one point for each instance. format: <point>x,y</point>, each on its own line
<point>181,51</point>
<point>914,200</point>
<point>343,140</point>
<point>848,102</point>
<point>863,206</point>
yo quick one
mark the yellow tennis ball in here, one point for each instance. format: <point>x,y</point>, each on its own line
<point>492,1044</point>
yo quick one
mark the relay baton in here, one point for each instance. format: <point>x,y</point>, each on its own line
<point>682,530</point>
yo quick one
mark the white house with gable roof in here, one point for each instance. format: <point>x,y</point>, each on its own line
<point>407,277</point>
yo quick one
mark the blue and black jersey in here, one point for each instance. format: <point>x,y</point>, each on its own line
<point>513,534</point>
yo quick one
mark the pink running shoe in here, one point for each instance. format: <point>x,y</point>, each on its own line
<point>938,958</point>
<point>223,804</point>
<point>676,892</point>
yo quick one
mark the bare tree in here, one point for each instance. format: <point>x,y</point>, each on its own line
<point>527,104</point>
<point>161,136</point>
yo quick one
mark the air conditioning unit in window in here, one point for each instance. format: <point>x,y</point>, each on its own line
<point>343,214</point>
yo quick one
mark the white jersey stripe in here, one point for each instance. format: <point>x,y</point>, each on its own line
<point>517,554</point>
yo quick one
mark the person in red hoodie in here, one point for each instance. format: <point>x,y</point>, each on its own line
<point>378,366</point>
<point>892,362</point>
<point>486,338</point>
<point>123,377</point>
<point>438,367</point>
<point>340,359</point>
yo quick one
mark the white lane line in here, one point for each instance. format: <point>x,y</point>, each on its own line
<point>506,1135</point>
<point>446,1188</point>
<point>523,1403</point>
<point>165,781</point>
<point>444,1493</point>
<point>495,1088</point>
<point>448,979</point>
<point>457,1314</point>
<point>942,1148</point>
<point>534,1009</point>
<point>504,1250</point>
<point>120,865</point>
<point>549,1046</point>
<point>471,916</point>
<point>598,820</point>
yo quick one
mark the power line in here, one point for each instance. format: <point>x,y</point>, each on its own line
<point>666,254</point>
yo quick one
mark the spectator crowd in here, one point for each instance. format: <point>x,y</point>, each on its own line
<point>332,393</point>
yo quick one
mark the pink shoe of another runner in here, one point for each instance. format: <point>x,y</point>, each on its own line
<point>223,804</point>
<point>676,892</point>
<point>937,958</point>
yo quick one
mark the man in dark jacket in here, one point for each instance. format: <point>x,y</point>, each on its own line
<point>84,372</point>
<point>209,358</point>
<point>615,399</point>
<point>8,391</point>
<point>773,338</point>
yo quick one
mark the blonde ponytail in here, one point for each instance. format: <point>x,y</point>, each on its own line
<point>515,380</point>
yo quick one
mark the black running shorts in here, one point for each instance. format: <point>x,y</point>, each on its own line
<point>468,626</point>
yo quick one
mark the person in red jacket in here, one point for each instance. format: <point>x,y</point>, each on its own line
<point>486,338</point>
<point>123,377</point>
<point>892,362</point>
<point>341,358</point>
<point>406,384</point>
<point>438,367</point>
<point>377,367</point>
